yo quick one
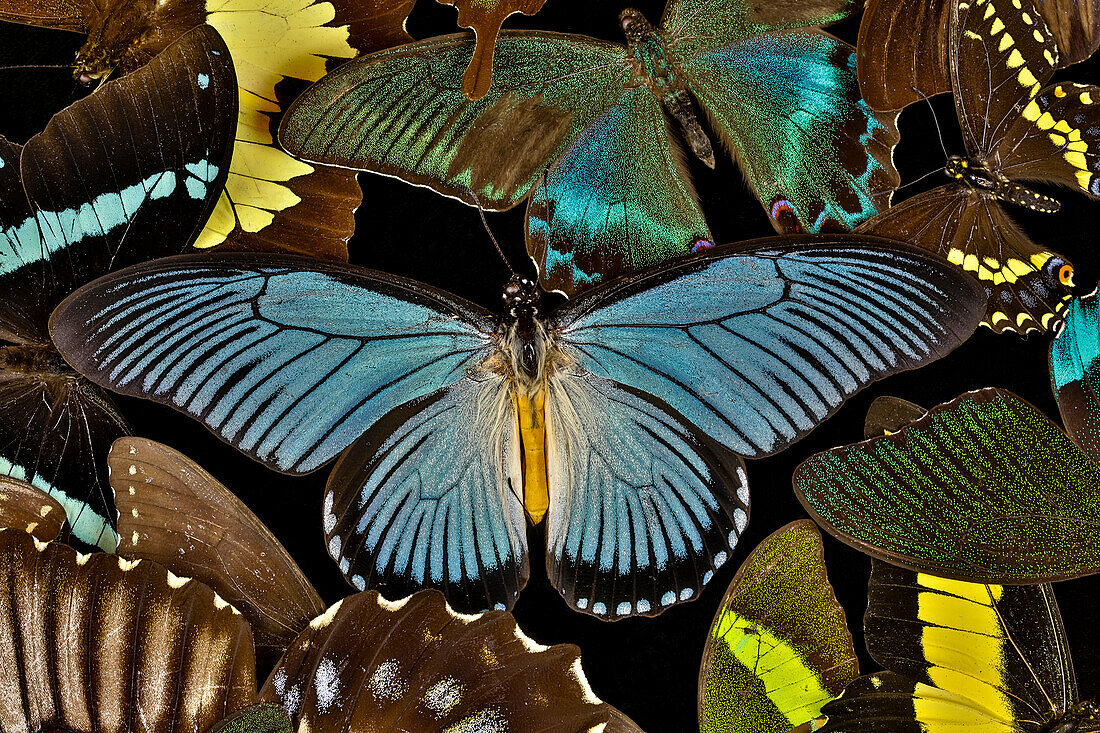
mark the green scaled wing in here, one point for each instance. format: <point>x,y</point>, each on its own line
<point>700,25</point>
<point>984,488</point>
<point>401,112</point>
<point>779,647</point>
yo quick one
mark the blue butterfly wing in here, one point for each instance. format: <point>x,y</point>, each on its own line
<point>757,345</point>
<point>618,200</point>
<point>430,497</point>
<point>287,359</point>
<point>1075,373</point>
<point>787,105</point>
<point>644,507</point>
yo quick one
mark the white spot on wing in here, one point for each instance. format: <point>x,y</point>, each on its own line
<point>326,618</point>
<point>442,697</point>
<point>386,682</point>
<point>326,683</point>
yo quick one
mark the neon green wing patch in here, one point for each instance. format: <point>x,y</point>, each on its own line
<point>779,647</point>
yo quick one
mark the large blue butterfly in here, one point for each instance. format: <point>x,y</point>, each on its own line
<point>642,395</point>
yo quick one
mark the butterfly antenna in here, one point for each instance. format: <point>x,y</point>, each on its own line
<point>917,180</point>
<point>935,121</point>
<point>485,223</point>
<point>17,67</point>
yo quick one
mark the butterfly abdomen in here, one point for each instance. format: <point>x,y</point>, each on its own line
<point>531,412</point>
<point>1014,193</point>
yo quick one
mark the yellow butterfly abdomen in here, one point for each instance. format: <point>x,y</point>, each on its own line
<point>531,411</point>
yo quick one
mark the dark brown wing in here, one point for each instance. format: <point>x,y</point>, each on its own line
<point>1001,54</point>
<point>67,15</point>
<point>902,52</point>
<point>174,512</point>
<point>1075,25</point>
<point>22,506</point>
<point>416,665</point>
<point>1056,138</point>
<point>1026,285</point>
<point>97,643</point>
<point>485,18</point>
<point>888,415</point>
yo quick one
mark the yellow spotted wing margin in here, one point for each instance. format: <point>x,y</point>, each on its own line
<point>26,507</point>
<point>779,646</point>
<point>960,656</point>
<point>368,663</point>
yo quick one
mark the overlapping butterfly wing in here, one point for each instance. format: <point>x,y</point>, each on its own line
<point>416,372</point>
<point>76,203</point>
<point>960,656</point>
<point>888,415</point>
<point>414,664</point>
<point>95,641</point>
<point>904,45</point>
<point>784,98</point>
<point>22,506</point>
<point>1074,371</point>
<point>172,511</point>
<point>984,488</point>
<point>779,647</point>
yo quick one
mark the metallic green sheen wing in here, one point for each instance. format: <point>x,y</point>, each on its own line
<point>788,107</point>
<point>700,25</point>
<point>401,112</point>
<point>984,488</point>
<point>617,201</point>
<point>1075,373</point>
<point>779,647</point>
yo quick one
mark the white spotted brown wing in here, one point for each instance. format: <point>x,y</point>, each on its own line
<point>416,665</point>
<point>26,507</point>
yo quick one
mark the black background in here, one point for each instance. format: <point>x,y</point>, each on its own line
<point>646,667</point>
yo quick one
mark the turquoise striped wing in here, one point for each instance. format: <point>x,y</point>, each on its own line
<point>757,345</point>
<point>1075,373</point>
<point>287,359</point>
<point>787,105</point>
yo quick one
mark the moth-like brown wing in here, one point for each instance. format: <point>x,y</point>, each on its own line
<point>174,512</point>
<point>25,507</point>
<point>902,52</point>
<point>416,665</point>
<point>97,642</point>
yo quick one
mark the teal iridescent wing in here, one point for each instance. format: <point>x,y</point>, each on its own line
<point>618,200</point>
<point>1075,373</point>
<point>983,488</point>
<point>700,25</point>
<point>401,112</point>
<point>788,106</point>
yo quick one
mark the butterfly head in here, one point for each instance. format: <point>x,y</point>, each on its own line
<point>520,295</point>
<point>115,37</point>
<point>634,24</point>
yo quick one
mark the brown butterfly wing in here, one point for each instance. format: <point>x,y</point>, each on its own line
<point>969,228</point>
<point>1075,25</point>
<point>25,507</point>
<point>174,512</point>
<point>485,19</point>
<point>416,665</point>
<point>97,643</point>
<point>66,15</point>
<point>902,52</point>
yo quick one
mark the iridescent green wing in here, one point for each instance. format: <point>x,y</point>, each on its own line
<point>1075,373</point>
<point>618,200</point>
<point>984,488</point>
<point>788,107</point>
<point>700,25</point>
<point>779,647</point>
<point>401,112</point>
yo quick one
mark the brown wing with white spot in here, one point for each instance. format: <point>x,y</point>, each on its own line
<point>174,512</point>
<point>98,643</point>
<point>25,507</point>
<point>416,665</point>
<point>1027,287</point>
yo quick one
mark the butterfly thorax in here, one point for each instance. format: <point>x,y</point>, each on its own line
<point>982,178</point>
<point>1084,717</point>
<point>524,345</point>
<point>32,360</point>
<point>116,34</point>
<point>655,68</point>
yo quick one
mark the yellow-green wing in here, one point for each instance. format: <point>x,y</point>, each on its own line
<point>779,647</point>
<point>402,113</point>
<point>961,657</point>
